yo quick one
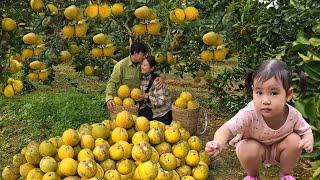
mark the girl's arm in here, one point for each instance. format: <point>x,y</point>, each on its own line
<point>222,135</point>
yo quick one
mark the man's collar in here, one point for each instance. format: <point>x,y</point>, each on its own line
<point>133,64</point>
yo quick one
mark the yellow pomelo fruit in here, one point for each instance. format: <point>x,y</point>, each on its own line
<point>85,154</point>
<point>65,151</point>
<point>154,155</point>
<point>185,135</point>
<point>87,142</point>
<point>81,30</point>
<point>112,175</point>
<point>30,38</point>
<point>92,10</point>
<point>10,172</point>
<point>68,167</point>
<point>87,168</point>
<point>170,58</point>
<point>195,143</point>
<point>35,174</point>
<point>142,124</point>
<point>168,161</point>
<point>131,132</point>
<point>18,160</point>
<point>96,52</point>
<point>108,164</point>
<point>116,152</point>
<point>123,91</point>
<point>37,5</point>
<point>100,153</point>
<point>206,55</point>
<point>48,164</point>
<point>157,124</point>
<point>65,56</point>
<point>184,170</point>
<point>220,53</point>
<point>147,170</point>
<point>37,65</point>
<point>119,134</point>
<point>109,50</point>
<point>181,103</point>
<point>126,148</point>
<point>210,38</point>
<point>176,124</point>
<point>26,53</point>
<point>152,15</point>
<point>53,9</point>
<point>163,147</point>
<point>191,13</point>
<point>136,94</point>
<point>68,31</point>
<point>192,158</point>
<point>163,174</point>
<point>74,49</point>
<point>175,175</point>
<point>56,141</point>
<point>33,76</point>
<point>139,29</point>
<point>192,105</point>
<point>142,12</point>
<point>124,166</point>
<point>124,120</point>
<point>160,58</point>
<point>25,168</point>
<point>118,101</point>
<point>155,136</point>
<point>204,157</point>
<point>172,135</point>
<point>71,12</point>
<point>179,14</point>
<point>104,11</point>
<point>180,149</point>
<point>139,137</point>
<point>46,148</point>
<point>141,151</point>
<point>186,95</point>
<point>117,9</point>
<point>51,176</point>
<point>100,141</point>
<point>44,74</point>
<point>33,156</point>
<point>8,24</point>
<point>153,28</point>
<point>99,130</point>
<point>8,91</point>
<point>70,137</point>
<point>128,102</point>
<point>100,38</point>
<point>88,70</point>
<point>17,86</point>
<point>200,172</point>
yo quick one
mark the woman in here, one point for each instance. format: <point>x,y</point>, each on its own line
<point>156,102</point>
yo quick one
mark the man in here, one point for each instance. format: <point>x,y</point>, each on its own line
<point>127,71</point>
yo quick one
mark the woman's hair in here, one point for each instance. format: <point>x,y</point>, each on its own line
<point>152,62</point>
<point>277,69</point>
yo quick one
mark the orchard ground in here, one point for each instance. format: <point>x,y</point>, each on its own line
<point>73,99</point>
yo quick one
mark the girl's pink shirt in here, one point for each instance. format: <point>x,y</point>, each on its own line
<point>251,125</point>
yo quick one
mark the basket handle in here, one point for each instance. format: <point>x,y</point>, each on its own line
<point>205,114</point>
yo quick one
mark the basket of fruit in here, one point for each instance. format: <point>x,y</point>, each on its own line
<point>126,101</point>
<point>186,111</point>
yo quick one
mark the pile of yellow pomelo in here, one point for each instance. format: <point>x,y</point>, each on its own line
<point>127,97</point>
<point>128,147</point>
<point>185,101</point>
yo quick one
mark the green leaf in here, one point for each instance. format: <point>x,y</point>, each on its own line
<point>304,57</point>
<point>314,42</point>
<point>312,73</point>
<point>315,66</point>
<point>302,39</point>
<point>313,56</point>
<point>296,46</point>
<point>300,106</point>
<point>310,110</point>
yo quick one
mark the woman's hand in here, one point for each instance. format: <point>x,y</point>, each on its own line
<point>213,148</point>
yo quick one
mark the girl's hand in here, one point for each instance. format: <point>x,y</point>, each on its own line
<point>306,144</point>
<point>236,139</point>
<point>213,148</point>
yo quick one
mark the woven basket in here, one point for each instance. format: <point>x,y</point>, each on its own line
<point>132,110</point>
<point>188,117</point>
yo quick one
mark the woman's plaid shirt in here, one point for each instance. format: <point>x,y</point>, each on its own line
<point>160,101</point>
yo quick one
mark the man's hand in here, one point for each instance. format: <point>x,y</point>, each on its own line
<point>110,105</point>
<point>160,82</point>
<point>213,148</point>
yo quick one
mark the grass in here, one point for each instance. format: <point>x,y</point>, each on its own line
<point>41,114</point>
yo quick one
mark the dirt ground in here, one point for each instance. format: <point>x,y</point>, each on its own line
<point>225,166</point>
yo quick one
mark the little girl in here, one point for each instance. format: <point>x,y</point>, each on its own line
<point>267,130</point>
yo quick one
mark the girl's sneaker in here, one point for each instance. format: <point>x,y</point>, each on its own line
<point>288,177</point>
<point>250,178</point>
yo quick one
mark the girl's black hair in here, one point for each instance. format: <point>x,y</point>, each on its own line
<point>152,62</point>
<point>277,69</point>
